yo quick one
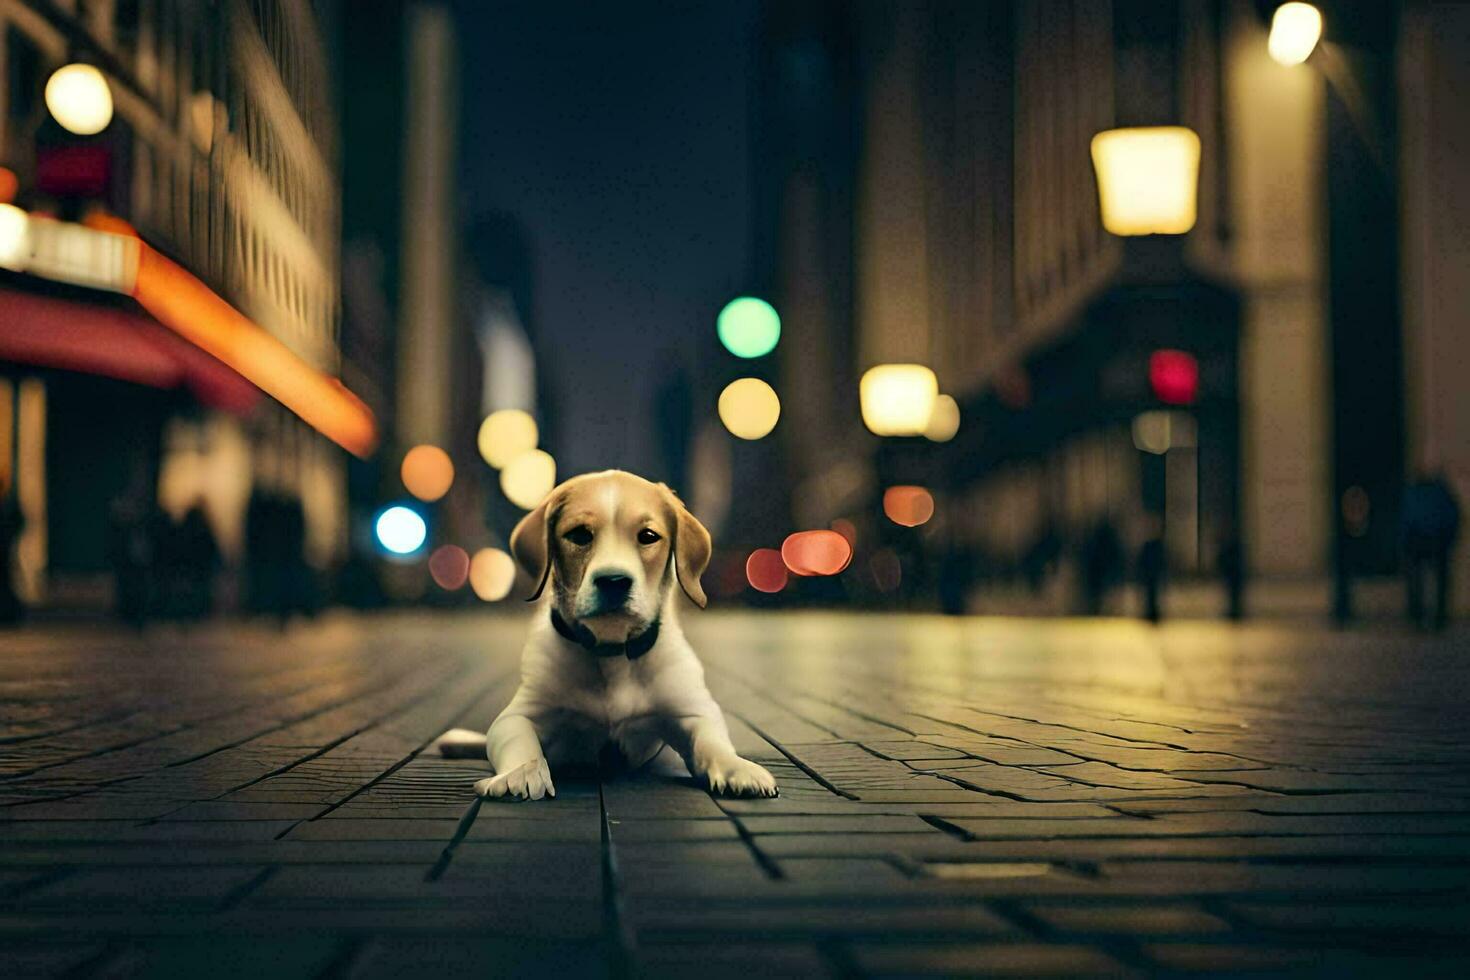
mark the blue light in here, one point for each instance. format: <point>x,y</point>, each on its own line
<point>401,530</point>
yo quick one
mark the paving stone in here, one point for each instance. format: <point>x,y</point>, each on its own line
<point>987,959</point>
<point>1131,920</point>
<point>416,957</point>
<point>141,888</point>
<point>716,960</point>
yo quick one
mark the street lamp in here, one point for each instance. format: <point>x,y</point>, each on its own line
<point>506,434</point>
<point>15,237</point>
<point>527,479</point>
<point>748,327</point>
<point>1147,179</point>
<point>898,399</point>
<point>79,98</point>
<point>749,408</point>
<point>1295,30</point>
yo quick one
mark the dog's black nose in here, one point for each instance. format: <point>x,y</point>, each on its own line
<point>612,587</point>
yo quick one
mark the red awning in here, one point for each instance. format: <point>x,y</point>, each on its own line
<point>117,343</point>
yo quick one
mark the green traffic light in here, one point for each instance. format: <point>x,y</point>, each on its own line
<point>748,327</point>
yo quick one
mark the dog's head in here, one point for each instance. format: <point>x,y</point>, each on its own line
<point>612,545</point>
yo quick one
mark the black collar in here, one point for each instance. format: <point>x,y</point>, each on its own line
<point>636,646</point>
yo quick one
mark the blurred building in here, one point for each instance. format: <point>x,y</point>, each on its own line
<point>222,156</point>
<point>930,197</point>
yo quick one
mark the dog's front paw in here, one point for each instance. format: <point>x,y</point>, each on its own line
<point>740,777</point>
<point>530,781</point>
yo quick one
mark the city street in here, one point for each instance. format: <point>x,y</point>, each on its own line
<point>981,796</point>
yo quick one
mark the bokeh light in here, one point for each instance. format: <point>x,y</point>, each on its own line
<point>1295,30</point>
<point>528,478</point>
<point>847,529</point>
<point>765,570</point>
<point>908,506</point>
<point>886,569</point>
<point>9,185</point>
<point>427,472</point>
<point>897,399</point>
<point>401,530</point>
<point>15,237</point>
<point>816,552</point>
<point>749,408</point>
<point>492,574</point>
<point>506,434</point>
<point>1151,432</point>
<point>944,420</point>
<point>449,567</point>
<point>80,99</point>
<point>748,327</point>
<point>1160,430</point>
<point>1147,178</point>
<point>1174,376</point>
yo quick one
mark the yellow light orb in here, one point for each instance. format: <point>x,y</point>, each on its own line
<point>506,434</point>
<point>79,97</point>
<point>944,420</point>
<point>15,237</point>
<point>427,472</point>
<point>1147,179</point>
<point>1295,30</point>
<point>897,399</point>
<point>492,573</point>
<point>528,478</point>
<point>749,408</point>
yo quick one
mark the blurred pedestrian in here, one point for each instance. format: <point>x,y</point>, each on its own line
<point>1151,571</point>
<point>1429,526</point>
<point>298,582</point>
<point>198,559</point>
<point>262,553</point>
<point>12,610</point>
<point>135,532</point>
<point>1102,565</point>
<point>1230,562</point>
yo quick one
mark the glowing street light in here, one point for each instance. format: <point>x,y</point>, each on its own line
<point>944,420</point>
<point>819,552</point>
<point>427,472</point>
<point>1147,179</point>
<point>506,434</point>
<point>749,408</point>
<point>898,399</point>
<point>79,98</point>
<point>400,530</point>
<point>15,237</point>
<point>765,570</point>
<point>449,567</point>
<point>492,573</point>
<point>748,327</point>
<point>908,506</point>
<point>1295,30</point>
<point>528,478</point>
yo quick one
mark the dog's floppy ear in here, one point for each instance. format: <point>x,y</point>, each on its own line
<point>530,542</point>
<point>692,549</point>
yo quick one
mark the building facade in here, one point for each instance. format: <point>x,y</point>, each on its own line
<point>935,202</point>
<point>222,155</point>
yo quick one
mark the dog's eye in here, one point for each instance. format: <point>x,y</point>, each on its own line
<point>647,536</point>
<point>579,535</point>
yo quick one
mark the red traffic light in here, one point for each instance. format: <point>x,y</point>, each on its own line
<point>1174,376</point>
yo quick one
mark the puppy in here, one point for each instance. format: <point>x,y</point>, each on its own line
<point>606,664</point>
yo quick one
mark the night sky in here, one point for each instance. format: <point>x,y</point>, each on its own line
<point>619,134</point>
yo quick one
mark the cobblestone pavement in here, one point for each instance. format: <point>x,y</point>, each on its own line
<point>957,797</point>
